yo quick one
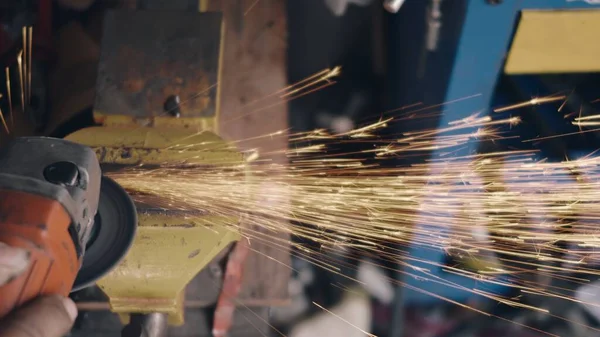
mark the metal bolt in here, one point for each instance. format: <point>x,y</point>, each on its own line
<point>126,154</point>
<point>62,173</point>
<point>171,106</point>
<point>155,325</point>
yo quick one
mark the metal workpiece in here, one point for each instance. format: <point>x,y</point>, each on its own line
<point>168,251</point>
<point>170,246</point>
<point>143,64</point>
<point>58,169</point>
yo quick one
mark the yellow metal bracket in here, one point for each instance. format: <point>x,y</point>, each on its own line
<point>170,248</point>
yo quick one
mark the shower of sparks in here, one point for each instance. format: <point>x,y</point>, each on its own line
<point>593,120</point>
<point>9,95</point>
<point>537,213</point>
<point>25,64</point>
<point>21,79</point>
<point>323,76</point>
<point>29,54</point>
<point>508,218</point>
<point>532,102</point>
<point>309,85</point>
<point>3,120</point>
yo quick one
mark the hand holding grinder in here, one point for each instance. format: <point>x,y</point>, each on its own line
<point>50,190</point>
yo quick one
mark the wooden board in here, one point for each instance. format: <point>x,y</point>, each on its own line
<point>254,67</point>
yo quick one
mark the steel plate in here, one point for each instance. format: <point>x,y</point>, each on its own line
<point>148,56</point>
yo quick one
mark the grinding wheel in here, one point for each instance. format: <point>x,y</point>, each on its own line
<point>112,235</point>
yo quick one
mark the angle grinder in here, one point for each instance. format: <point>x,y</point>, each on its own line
<point>75,223</point>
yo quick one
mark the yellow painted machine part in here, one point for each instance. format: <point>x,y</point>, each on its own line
<point>169,249</point>
<point>132,145</point>
<point>202,123</point>
<point>562,41</point>
<point>165,256</point>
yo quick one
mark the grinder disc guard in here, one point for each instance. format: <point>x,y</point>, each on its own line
<point>112,235</point>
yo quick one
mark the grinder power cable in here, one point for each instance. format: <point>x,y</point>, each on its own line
<point>55,203</point>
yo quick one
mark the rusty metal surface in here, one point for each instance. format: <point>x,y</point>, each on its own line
<point>142,63</point>
<point>232,284</point>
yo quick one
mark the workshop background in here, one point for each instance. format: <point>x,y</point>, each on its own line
<point>430,51</point>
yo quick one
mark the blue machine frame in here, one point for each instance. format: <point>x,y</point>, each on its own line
<point>484,41</point>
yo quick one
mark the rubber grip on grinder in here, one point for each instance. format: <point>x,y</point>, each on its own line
<point>40,225</point>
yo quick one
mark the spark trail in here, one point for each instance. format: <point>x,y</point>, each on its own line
<point>509,217</point>
<point>540,217</point>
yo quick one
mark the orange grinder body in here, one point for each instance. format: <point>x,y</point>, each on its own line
<point>49,192</point>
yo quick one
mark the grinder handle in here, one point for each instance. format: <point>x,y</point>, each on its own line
<point>41,226</point>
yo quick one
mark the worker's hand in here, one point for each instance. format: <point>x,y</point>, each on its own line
<point>50,316</point>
